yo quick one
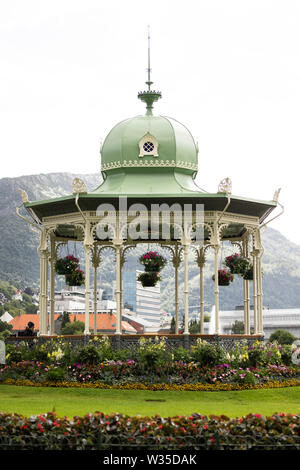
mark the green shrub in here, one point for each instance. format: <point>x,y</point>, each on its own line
<point>286,352</point>
<point>39,354</point>
<point>152,352</point>
<point>245,377</point>
<point>73,328</point>
<point>98,350</point>
<point>256,357</point>
<point>55,374</point>
<point>207,354</point>
<point>182,354</point>
<point>88,355</point>
<point>14,356</point>
<point>282,337</point>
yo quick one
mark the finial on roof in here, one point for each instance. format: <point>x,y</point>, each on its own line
<point>149,96</point>
<point>78,186</point>
<point>225,186</point>
<point>24,196</point>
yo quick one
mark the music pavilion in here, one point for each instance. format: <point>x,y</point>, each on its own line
<point>150,160</point>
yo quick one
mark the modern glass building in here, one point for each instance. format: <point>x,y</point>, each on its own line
<point>145,301</point>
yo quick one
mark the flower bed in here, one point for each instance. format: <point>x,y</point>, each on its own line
<point>98,431</point>
<point>150,364</point>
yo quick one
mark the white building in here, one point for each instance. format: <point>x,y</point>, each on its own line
<point>144,301</point>
<point>7,317</point>
<point>148,304</point>
<point>73,300</point>
<point>273,319</point>
<point>132,318</point>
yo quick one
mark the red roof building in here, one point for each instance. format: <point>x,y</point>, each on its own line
<point>106,322</point>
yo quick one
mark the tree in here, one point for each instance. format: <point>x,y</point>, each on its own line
<point>282,337</point>
<point>74,328</point>
<point>65,319</point>
<point>238,328</point>
<point>172,326</point>
<point>5,330</point>
<point>28,291</point>
<point>5,326</point>
<point>194,327</point>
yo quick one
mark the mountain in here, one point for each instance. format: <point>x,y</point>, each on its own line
<point>19,262</point>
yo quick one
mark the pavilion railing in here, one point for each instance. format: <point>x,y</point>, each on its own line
<point>227,342</point>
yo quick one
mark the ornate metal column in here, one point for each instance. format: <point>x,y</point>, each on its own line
<point>95,264</point>
<point>216,291</point>
<point>258,274</point>
<point>87,249</point>
<point>201,262</point>
<point>176,260</point>
<point>43,307</point>
<point>118,243</point>
<point>52,260</point>
<point>245,248</point>
<point>185,242</point>
<point>259,294</point>
<point>88,246</point>
<point>255,315</point>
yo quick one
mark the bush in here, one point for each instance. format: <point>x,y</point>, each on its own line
<point>87,355</point>
<point>98,350</point>
<point>14,355</point>
<point>182,354</point>
<point>39,354</point>
<point>282,337</point>
<point>55,374</point>
<point>286,352</point>
<point>256,357</point>
<point>98,431</point>
<point>73,328</point>
<point>245,377</point>
<point>207,354</point>
<point>152,352</point>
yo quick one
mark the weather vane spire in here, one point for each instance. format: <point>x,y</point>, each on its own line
<point>149,96</point>
<point>149,83</point>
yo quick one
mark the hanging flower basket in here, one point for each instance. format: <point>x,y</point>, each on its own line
<point>66,265</point>
<point>152,261</point>
<point>225,277</point>
<point>237,264</point>
<point>76,278</point>
<point>248,276</point>
<point>149,278</point>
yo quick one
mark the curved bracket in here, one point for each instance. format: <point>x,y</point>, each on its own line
<point>276,216</point>
<point>32,225</point>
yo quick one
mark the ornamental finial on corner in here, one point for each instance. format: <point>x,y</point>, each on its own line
<point>276,195</point>
<point>78,186</point>
<point>24,196</point>
<point>225,186</point>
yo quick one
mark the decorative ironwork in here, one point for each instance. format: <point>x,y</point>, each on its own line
<point>225,186</point>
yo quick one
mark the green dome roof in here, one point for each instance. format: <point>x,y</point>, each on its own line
<point>148,154</point>
<point>149,142</point>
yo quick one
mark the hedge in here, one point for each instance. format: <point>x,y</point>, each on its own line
<point>98,431</point>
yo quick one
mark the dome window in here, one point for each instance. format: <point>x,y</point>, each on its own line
<point>148,146</point>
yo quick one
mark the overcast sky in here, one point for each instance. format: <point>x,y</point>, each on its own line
<point>228,70</point>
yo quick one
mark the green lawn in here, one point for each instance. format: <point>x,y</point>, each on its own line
<point>71,402</point>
